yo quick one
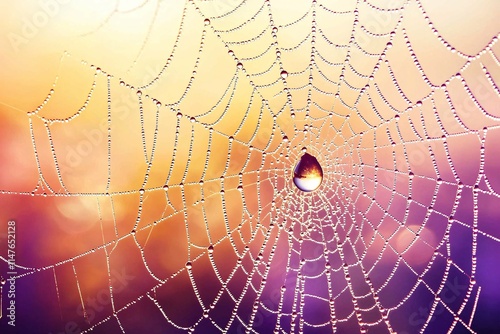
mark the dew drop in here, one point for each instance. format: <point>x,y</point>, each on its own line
<point>307,175</point>
<point>239,66</point>
<point>207,22</point>
<point>284,74</point>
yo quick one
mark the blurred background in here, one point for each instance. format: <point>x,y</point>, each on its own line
<point>147,155</point>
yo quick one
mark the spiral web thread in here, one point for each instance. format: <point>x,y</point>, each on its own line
<point>324,261</point>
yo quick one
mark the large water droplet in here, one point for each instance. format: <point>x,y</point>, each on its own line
<point>307,174</point>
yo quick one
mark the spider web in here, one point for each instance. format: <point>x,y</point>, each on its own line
<point>191,221</point>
